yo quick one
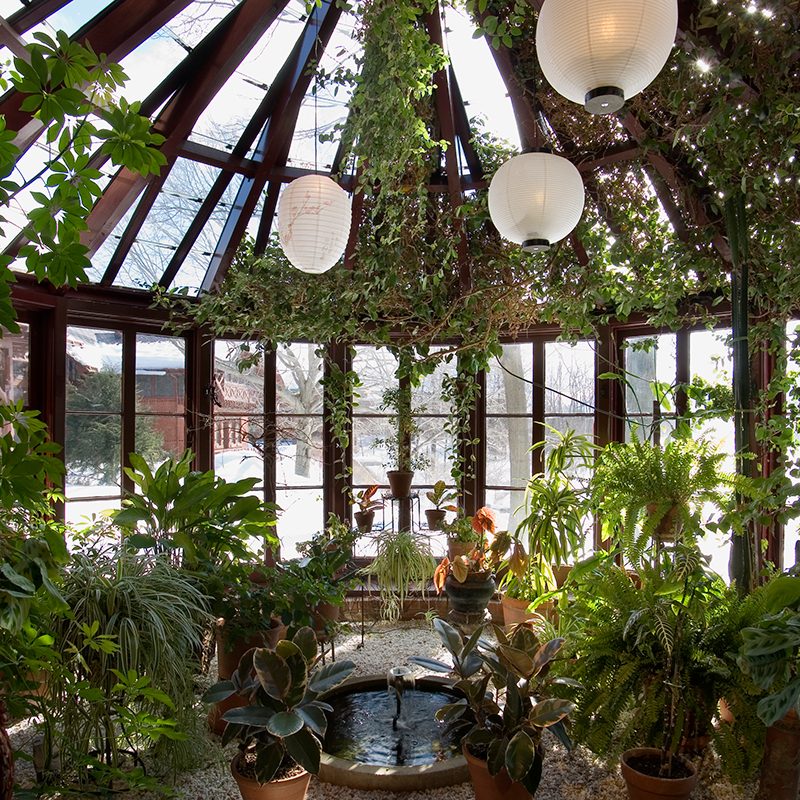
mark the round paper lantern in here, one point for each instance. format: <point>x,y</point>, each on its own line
<point>536,199</point>
<point>602,52</point>
<point>314,223</point>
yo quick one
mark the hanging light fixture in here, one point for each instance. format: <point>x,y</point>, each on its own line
<point>600,53</point>
<point>314,223</point>
<point>536,199</point>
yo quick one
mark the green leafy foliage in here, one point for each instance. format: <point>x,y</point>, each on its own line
<point>284,716</point>
<point>504,726</point>
<point>69,90</point>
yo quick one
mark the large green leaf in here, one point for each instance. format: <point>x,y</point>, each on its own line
<point>532,779</point>
<point>448,634</point>
<point>550,711</point>
<point>519,755</point>
<point>273,673</point>
<point>782,592</point>
<point>547,652</point>
<point>306,641</point>
<point>519,662</point>
<point>268,760</point>
<point>255,716</point>
<point>777,705</point>
<point>304,749</point>
<point>219,691</point>
<point>284,724</point>
<point>331,675</point>
<point>314,717</point>
<point>430,663</point>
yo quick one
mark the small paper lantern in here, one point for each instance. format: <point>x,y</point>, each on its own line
<point>536,199</point>
<point>600,53</point>
<point>314,223</point>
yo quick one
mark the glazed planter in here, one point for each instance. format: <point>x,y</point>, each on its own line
<point>364,520</point>
<point>293,788</point>
<point>435,517</point>
<point>493,787</point>
<point>473,595</point>
<point>649,787</point>
<point>400,483</point>
<point>456,548</point>
<point>780,769</point>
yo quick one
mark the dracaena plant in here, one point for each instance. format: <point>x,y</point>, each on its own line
<point>284,719</point>
<point>503,726</point>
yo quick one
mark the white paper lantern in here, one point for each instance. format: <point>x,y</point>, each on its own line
<point>314,223</point>
<point>600,53</point>
<point>536,199</point>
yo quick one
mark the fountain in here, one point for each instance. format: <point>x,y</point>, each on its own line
<point>390,740</point>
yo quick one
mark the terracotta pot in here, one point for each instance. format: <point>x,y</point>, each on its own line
<point>364,520</point>
<point>400,483</point>
<point>493,787</point>
<point>324,613</point>
<point>780,769</point>
<point>516,611</point>
<point>435,517</point>
<point>669,528</point>
<point>294,788</point>
<point>725,713</point>
<point>456,548</point>
<point>473,595</point>
<point>648,787</point>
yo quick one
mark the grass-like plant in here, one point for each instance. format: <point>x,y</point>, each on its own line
<point>134,617</point>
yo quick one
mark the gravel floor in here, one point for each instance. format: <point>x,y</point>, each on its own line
<point>567,775</point>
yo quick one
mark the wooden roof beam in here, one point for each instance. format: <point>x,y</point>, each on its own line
<point>319,27</point>
<point>211,64</point>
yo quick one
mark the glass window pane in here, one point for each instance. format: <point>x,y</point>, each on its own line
<point>299,460</point>
<point>92,450</point>
<point>569,377</point>
<point>298,373</point>
<point>376,369</point>
<point>368,461</point>
<point>14,363</point>
<point>161,372</point>
<point>428,395</point>
<point>238,377</point>
<point>238,456</point>
<point>159,438</point>
<point>94,369</point>
<point>648,359</point>
<point>80,512</point>
<point>434,444</point>
<point>301,517</point>
<point>508,443</point>
<point>508,506</point>
<point>508,384</point>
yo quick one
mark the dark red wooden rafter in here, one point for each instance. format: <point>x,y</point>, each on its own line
<point>319,28</point>
<point>463,129</point>
<point>444,106</point>
<point>206,69</point>
<point>34,13</point>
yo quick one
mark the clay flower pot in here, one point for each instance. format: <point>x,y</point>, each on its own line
<point>400,483</point>
<point>780,769</point>
<point>293,788</point>
<point>364,520</point>
<point>493,787</point>
<point>435,517</point>
<point>456,548</point>
<point>649,787</point>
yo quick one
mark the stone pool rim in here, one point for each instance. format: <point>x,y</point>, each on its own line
<point>357,775</point>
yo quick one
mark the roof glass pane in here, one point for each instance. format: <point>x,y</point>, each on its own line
<point>193,270</point>
<point>106,250</point>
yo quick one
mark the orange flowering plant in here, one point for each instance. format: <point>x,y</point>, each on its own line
<point>489,550</point>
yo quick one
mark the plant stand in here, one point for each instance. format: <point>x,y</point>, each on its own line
<point>404,511</point>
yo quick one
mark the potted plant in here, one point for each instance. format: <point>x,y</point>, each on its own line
<point>315,584</point>
<point>281,727</point>
<point>468,579</point>
<point>403,560</point>
<point>769,652</point>
<point>553,529</point>
<point>401,460</point>
<point>367,505</point>
<point>442,499</point>
<point>461,536</point>
<point>648,495</point>
<point>653,657</point>
<point>502,730</point>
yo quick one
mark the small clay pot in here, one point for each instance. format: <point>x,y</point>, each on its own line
<point>650,787</point>
<point>435,517</point>
<point>456,548</point>
<point>364,520</point>
<point>400,483</point>
<point>293,788</point>
<point>493,787</point>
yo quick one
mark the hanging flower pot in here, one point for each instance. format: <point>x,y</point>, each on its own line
<point>647,785</point>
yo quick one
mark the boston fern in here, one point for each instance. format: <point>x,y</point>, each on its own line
<point>284,716</point>
<point>656,653</point>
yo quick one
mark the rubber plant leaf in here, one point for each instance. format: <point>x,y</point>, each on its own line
<point>268,760</point>
<point>284,723</point>
<point>546,654</point>
<point>534,776</point>
<point>220,691</point>
<point>550,711</point>
<point>520,755</point>
<point>273,673</point>
<point>304,749</point>
<point>448,635</point>
<point>517,661</point>
<point>430,663</point>
<point>331,675</point>
<point>314,717</point>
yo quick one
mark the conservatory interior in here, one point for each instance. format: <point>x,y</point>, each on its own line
<point>263,258</point>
